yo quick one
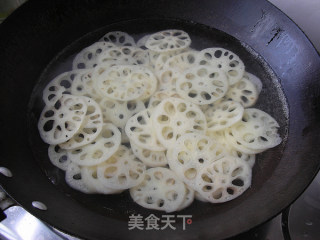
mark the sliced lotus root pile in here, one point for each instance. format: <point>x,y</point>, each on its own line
<point>84,85</point>
<point>161,189</point>
<point>202,85</point>
<point>118,113</point>
<point>148,157</point>
<point>125,83</point>
<point>89,176</point>
<point>102,67</point>
<point>233,142</point>
<point>223,180</point>
<point>188,198</point>
<point>190,153</point>
<point>168,79</point>
<point>122,170</point>
<point>223,115</point>
<point>257,130</point>
<point>153,57</point>
<point>224,59</point>
<point>88,57</point>
<point>161,59</point>
<point>250,159</point>
<point>158,96</point>
<point>141,132</point>
<point>124,55</point>
<point>141,43</point>
<point>244,92</point>
<point>199,197</point>
<point>58,86</point>
<point>58,123</point>
<point>168,40</point>
<point>183,114</point>
<point>150,82</point>
<point>226,138</point>
<point>219,136</point>
<point>205,107</point>
<point>119,39</point>
<point>90,128</point>
<point>98,151</point>
<point>174,117</point>
<point>58,157</point>
<point>74,179</point>
<point>182,61</point>
<point>255,80</point>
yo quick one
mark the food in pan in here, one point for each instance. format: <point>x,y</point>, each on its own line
<point>157,117</point>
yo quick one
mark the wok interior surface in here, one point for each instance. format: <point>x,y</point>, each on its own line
<point>120,206</point>
<point>286,62</point>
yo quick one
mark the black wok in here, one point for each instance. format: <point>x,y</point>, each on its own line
<point>38,42</point>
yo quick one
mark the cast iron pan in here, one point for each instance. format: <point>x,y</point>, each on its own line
<point>38,42</point>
